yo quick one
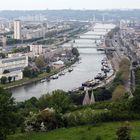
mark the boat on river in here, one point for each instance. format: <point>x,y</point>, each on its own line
<point>100,76</point>
<point>105,69</point>
<point>90,83</point>
<point>48,79</point>
<point>43,80</point>
<point>61,73</point>
<point>70,69</point>
<point>55,76</point>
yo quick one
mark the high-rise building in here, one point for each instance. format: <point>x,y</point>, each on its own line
<point>17,29</point>
<point>4,40</point>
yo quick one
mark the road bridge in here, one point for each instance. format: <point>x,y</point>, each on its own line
<point>89,38</point>
<point>93,34</point>
<point>92,47</point>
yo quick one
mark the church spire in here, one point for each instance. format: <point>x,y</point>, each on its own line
<point>86,100</point>
<point>92,100</point>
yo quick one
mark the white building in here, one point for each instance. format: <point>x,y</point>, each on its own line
<point>58,64</point>
<point>123,24</point>
<point>14,67</point>
<point>17,29</point>
<point>4,40</point>
<point>33,33</point>
<point>37,49</point>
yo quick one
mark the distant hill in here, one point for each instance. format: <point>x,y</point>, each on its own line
<point>75,14</point>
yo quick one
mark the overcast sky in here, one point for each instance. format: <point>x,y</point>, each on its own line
<point>66,4</point>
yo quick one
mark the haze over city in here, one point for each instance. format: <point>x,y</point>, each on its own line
<point>68,4</point>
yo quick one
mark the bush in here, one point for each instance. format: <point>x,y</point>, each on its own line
<point>98,138</point>
<point>83,117</point>
<point>135,104</point>
<point>124,132</point>
<point>59,100</point>
<point>3,80</point>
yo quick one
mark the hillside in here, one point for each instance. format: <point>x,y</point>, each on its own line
<point>106,131</point>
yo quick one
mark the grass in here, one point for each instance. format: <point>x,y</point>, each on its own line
<point>107,131</point>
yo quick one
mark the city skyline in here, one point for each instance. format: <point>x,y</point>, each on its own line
<point>69,4</point>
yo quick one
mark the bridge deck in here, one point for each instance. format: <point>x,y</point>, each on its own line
<point>92,47</point>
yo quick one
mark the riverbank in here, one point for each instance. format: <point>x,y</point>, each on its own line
<point>26,81</point>
<point>103,83</point>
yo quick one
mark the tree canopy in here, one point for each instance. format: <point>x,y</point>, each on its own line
<point>8,116</point>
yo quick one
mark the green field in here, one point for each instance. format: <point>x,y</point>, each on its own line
<point>107,131</point>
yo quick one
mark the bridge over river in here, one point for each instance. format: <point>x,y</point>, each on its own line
<point>99,48</point>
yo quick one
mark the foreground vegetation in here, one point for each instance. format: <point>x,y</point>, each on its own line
<point>105,131</point>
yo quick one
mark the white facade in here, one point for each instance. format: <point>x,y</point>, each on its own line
<point>123,24</point>
<point>4,39</point>
<point>33,33</point>
<point>17,29</point>
<point>37,49</point>
<point>10,55</point>
<point>14,65</point>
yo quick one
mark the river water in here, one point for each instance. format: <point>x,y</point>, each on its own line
<point>88,67</point>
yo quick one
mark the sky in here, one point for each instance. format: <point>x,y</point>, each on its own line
<point>68,4</point>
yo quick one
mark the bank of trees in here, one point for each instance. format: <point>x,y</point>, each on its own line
<point>59,110</point>
<point>34,72</point>
<point>117,88</point>
<point>29,72</point>
<point>9,118</point>
<point>135,103</point>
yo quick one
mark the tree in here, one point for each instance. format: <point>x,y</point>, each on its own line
<point>6,71</point>
<point>14,78</point>
<point>30,72</point>
<point>48,117</point>
<point>103,94</point>
<point>40,62</point>
<point>123,133</point>
<point>7,114</point>
<point>48,69</point>
<point>59,100</point>
<point>3,79</point>
<point>2,55</point>
<point>27,72</point>
<point>9,79</point>
<point>75,52</point>
<point>135,104</point>
<point>31,103</point>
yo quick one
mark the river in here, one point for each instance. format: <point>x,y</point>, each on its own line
<point>88,66</point>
